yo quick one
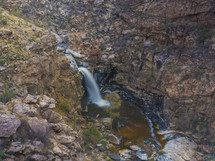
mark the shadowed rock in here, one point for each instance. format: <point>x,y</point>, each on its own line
<point>8,125</point>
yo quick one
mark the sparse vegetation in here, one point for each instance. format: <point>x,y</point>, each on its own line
<point>63,105</point>
<point>204,34</point>
<point>1,153</point>
<point>91,135</point>
<point>4,22</point>
<point>7,95</point>
<point>150,79</point>
<point>102,47</point>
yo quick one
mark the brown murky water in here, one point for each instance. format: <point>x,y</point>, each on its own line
<point>131,124</point>
<point>134,126</point>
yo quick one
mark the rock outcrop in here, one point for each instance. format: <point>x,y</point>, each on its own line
<point>32,64</point>
<point>9,124</point>
<point>164,47</point>
<point>35,137</point>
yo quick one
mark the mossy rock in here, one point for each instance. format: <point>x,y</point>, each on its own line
<point>115,103</point>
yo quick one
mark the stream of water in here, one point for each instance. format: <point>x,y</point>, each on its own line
<point>131,124</point>
<point>92,88</point>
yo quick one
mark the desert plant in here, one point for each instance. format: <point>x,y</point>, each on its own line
<point>1,155</point>
<point>74,122</point>
<point>7,95</point>
<point>204,34</point>
<point>63,105</point>
<point>3,22</point>
<point>91,135</point>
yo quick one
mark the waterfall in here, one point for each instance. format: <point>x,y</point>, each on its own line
<point>92,88</point>
<point>72,61</point>
<point>152,132</point>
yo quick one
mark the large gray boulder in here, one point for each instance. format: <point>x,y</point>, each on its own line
<point>38,128</point>
<point>23,109</point>
<point>179,149</point>
<point>8,124</point>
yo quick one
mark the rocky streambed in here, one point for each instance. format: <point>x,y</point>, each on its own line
<point>123,130</point>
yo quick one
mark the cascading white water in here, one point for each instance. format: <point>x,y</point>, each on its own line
<point>92,88</point>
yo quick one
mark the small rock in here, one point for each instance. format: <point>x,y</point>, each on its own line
<point>4,47</point>
<point>51,106</point>
<point>107,121</point>
<point>135,147</point>
<point>111,56</point>
<point>125,153</point>
<point>29,99</point>
<point>147,142</point>
<point>2,68</point>
<point>115,157</point>
<point>33,28</point>
<point>63,139</point>
<point>38,157</point>
<point>141,155</point>
<point>15,147</point>
<point>8,124</point>
<point>97,124</point>
<point>114,139</point>
<point>99,145</point>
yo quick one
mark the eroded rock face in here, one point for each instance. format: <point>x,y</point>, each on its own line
<point>164,47</point>
<point>39,128</point>
<point>8,124</point>
<point>180,149</point>
<point>25,110</point>
<point>43,136</point>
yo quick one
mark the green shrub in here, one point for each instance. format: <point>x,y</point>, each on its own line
<point>7,95</point>
<point>63,105</point>
<point>3,22</point>
<point>1,155</point>
<point>204,34</point>
<point>89,133</point>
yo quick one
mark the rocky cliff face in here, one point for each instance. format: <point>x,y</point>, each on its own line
<point>164,47</point>
<point>30,63</point>
<point>32,130</point>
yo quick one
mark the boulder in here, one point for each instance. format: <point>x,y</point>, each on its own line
<point>61,150</point>
<point>114,139</point>
<point>45,101</point>
<point>8,124</point>
<point>107,121</point>
<point>62,128</point>
<point>179,149</point>
<point>63,139</point>
<point>24,110</point>
<point>38,128</point>
<point>52,116</point>
<point>38,157</point>
<point>30,99</point>
<point>16,147</point>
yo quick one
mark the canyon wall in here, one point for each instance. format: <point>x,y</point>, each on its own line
<point>165,47</point>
